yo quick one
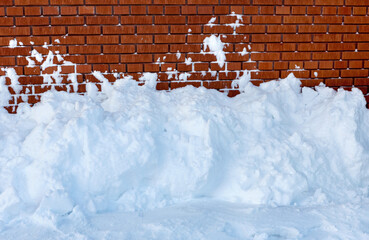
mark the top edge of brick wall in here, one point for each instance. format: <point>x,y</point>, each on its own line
<point>183,2</point>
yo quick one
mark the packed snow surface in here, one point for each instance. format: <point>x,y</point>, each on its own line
<point>130,162</point>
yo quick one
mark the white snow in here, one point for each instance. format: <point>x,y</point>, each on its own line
<point>215,46</point>
<point>13,43</point>
<point>131,162</point>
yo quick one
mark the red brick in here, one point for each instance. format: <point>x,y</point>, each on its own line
<point>70,40</point>
<point>297,19</point>
<point>14,51</point>
<point>356,2</point>
<point>99,2</point>
<point>68,10</point>
<point>14,31</point>
<point>118,49</point>
<point>185,29</point>
<point>310,83</point>
<point>361,46</point>
<point>329,10</point>
<point>310,65</point>
<point>267,2</point>
<point>138,10</point>
<point>218,29</point>
<point>121,30</point>
<point>326,73</point>
<point>49,11</point>
<point>311,47</point>
<point>136,39</point>
<point>106,39</point>
<point>66,2</point>
<point>197,2</point>
<point>155,10</point>
<point>221,10</point>
<point>67,20</point>
<point>142,29</point>
<point>266,38</point>
<point>189,10</point>
<point>266,19</point>
<point>14,11</point>
<point>49,30</point>
<point>84,68</point>
<point>314,10</point>
<point>356,64</point>
<point>169,20</point>
<point>184,48</point>
<point>172,10</point>
<point>106,20</point>
<point>356,20</point>
<point>200,20</point>
<point>299,10</point>
<point>329,2</point>
<point>134,67</point>
<point>279,28</point>
<point>283,10</point>
<point>29,21</point>
<point>248,29</point>
<point>136,20</point>
<point>356,37</point>
<point>86,10</point>
<point>6,21</point>
<point>312,29</point>
<point>36,40</point>
<point>326,55</point>
<point>296,38</point>
<point>30,2</point>
<point>341,46</point>
<point>340,64</point>
<point>158,48</point>
<point>6,2</point>
<point>342,29</point>
<point>84,49</point>
<point>132,2</point>
<point>298,2</point>
<point>281,47</point>
<point>170,39</point>
<point>104,10</point>
<point>355,55</point>
<point>265,66</point>
<point>32,11</point>
<point>328,20</point>
<point>361,81</point>
<point>251,10</point>
<point>82,30</point>
<point>326,65</point>
<point>327,37</point>
<point>237,2</point>
<point>359,10</point>
<point>344,10</point>
<point>266,10</point>
<point>122,10</point>
<point>296,56</point>
<point>103,59</point>
<point>265,56</point>
<point>339,82</point>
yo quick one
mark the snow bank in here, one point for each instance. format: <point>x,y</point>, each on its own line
<point>132,149</point>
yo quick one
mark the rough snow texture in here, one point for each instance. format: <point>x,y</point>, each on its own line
<point>134,163</point>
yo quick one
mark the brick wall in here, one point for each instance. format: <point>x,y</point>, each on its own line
<point>317,40</point>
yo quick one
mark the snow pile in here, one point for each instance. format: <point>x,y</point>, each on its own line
<point>131,149</point>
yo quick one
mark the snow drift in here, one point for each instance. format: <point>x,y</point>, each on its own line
<point>131,149</point>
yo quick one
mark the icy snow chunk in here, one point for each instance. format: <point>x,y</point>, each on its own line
<point>149,79</point>
<point>215,46</point>
<point>13,43</point>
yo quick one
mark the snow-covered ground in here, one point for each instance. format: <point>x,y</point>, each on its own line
<point>275,162</point>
